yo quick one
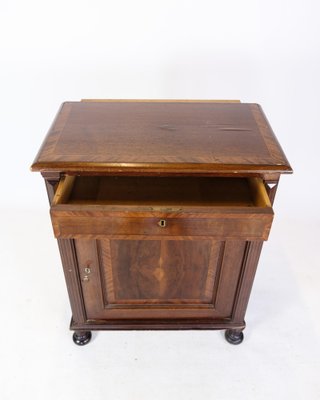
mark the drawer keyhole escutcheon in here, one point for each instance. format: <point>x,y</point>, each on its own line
<point>162,223</point>
<point>87,270</point>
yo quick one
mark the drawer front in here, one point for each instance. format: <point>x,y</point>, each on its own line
<point>244,224</point>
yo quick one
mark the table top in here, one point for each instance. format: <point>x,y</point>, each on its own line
<point>161,137</point>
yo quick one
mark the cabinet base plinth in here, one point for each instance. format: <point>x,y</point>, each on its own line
<point>81,338</point>
<point>233,336</point>
<point>156,324</point>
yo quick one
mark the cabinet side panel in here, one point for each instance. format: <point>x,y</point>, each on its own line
<point>71,273</point>
<point>232,263</point>
<point>250,264</point>
<point>68,258</point>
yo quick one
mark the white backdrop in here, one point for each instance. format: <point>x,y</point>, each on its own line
<point>256,51</point>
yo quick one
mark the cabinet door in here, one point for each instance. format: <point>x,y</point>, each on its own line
<point>159,278</point>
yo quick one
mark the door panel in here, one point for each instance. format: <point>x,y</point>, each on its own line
<point>159,271</point>
<point>181,278</point>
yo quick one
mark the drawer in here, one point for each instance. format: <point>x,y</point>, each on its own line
<point>95,207</point>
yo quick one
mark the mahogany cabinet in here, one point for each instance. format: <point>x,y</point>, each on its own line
<point>160,209</point>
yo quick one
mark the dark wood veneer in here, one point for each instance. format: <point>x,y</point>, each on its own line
<point>180,137</point>
<point>160,209</point>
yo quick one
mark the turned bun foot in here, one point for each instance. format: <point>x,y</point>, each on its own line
<point>81,337</point>
<point>233,336</point>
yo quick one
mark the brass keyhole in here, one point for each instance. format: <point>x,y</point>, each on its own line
<point>162,223</point>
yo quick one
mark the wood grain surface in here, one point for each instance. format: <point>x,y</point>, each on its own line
<point>159,278</point>
<point>93,207</point>
<point>160,136</point>
<point>160,209</point>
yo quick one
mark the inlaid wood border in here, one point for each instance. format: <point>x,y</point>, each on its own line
<point>276,162</point>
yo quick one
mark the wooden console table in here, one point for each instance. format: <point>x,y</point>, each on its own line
<point>160,209</point>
